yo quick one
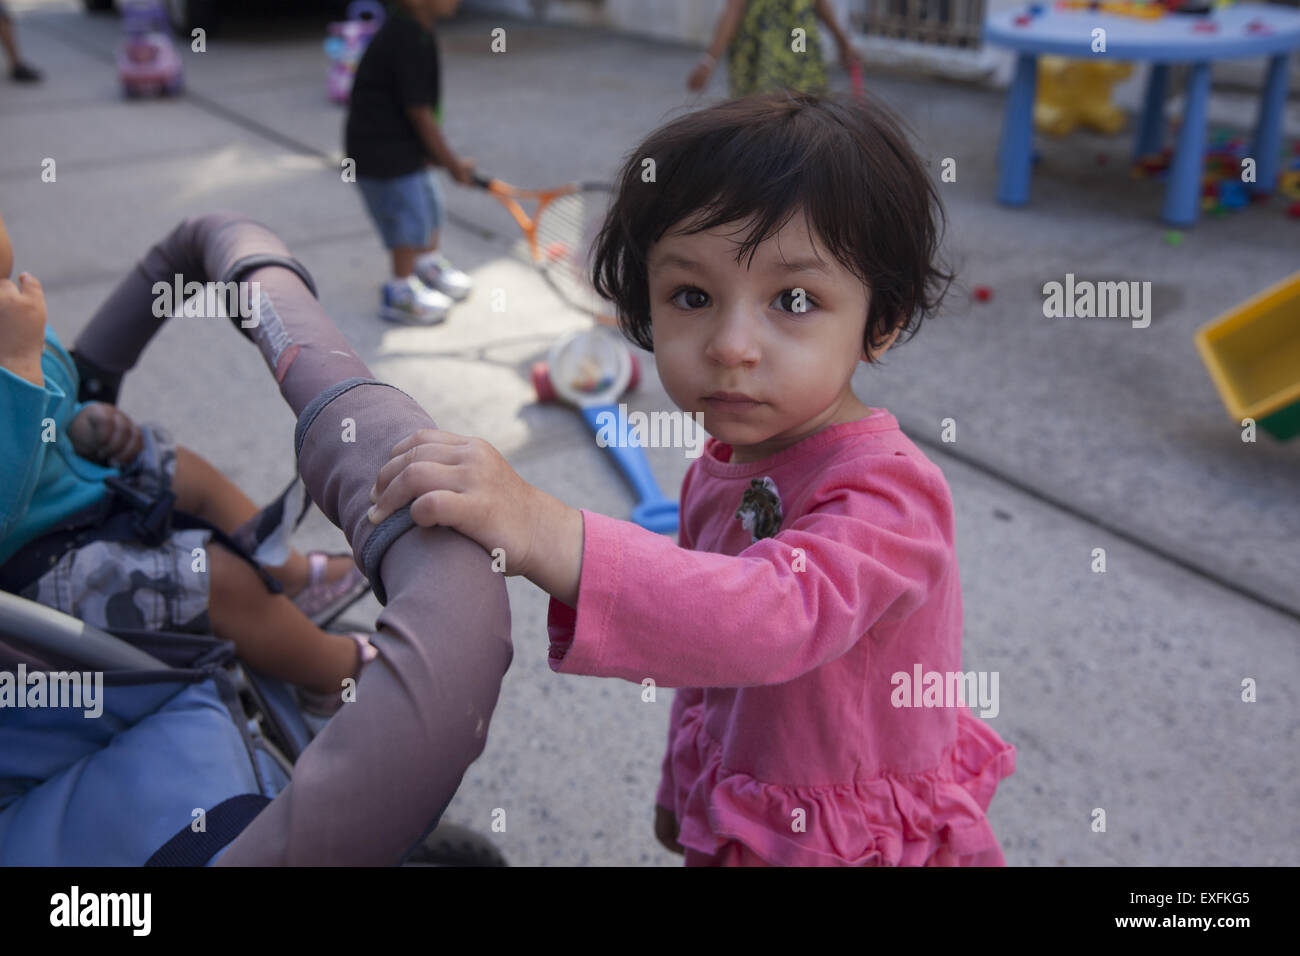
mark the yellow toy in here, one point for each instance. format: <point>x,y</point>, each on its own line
<point>1148,10</point>
<point>1253,355</point>
<point>1289,184</point>
<point>1077,92</point>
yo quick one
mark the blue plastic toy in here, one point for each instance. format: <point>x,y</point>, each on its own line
<point>591,369</point>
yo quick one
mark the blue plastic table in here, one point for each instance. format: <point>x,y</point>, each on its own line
<point>1244,30</point>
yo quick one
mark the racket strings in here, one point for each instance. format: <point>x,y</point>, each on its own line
<point>566,233</point>
<point>562,220</point>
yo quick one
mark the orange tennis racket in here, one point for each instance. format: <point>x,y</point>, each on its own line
<point>560,236</point>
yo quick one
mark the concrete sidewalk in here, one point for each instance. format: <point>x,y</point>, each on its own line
<point>1122,690</point>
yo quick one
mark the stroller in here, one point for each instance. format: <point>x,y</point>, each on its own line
<point>136,747</point>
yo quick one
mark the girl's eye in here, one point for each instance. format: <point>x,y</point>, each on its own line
<point>798,302</point>
<point>693,297</point>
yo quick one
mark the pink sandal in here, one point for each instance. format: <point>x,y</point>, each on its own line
<point>322,600</point>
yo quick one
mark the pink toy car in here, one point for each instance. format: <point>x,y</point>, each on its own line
<point>147,61</point>
<point>348,39</point>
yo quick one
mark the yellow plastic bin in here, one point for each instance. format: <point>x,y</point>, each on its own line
<point>1253,355</point>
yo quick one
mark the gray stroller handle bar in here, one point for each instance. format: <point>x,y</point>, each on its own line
<point>377,778</point>
<point>44,630</point>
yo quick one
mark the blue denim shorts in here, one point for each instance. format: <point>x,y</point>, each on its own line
<point>406,209</point>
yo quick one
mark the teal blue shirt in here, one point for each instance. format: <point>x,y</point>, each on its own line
<point>42,480</point>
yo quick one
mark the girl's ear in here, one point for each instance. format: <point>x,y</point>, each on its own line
<point>882,348</point>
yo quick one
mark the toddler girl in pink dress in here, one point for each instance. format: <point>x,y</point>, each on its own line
<point>762,248</point>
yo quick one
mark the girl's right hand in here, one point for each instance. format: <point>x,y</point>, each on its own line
<point>22,325</point>
<point>666,829</point>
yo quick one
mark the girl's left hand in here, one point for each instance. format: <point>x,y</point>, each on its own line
<point>462,483</point>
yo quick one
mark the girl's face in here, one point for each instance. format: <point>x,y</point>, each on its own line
<point>721,327</point>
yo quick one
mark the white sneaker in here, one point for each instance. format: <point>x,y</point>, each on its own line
<point>437,273</point>
<point>410,302</point>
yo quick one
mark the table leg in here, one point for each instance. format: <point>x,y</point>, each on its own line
<point>1015,156</point>
<point>1151,133</point>
<point>1183,192</point>
<point>1268,127</point>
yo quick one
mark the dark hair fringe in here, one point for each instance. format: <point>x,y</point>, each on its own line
<point>842,159</point>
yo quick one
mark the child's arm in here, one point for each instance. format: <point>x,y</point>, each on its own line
<point>24,398</point>
<point>870,554</point>
<point>827,16</point>
<point>426,125</point>
<point>417,93</point>
<point>725,30</point>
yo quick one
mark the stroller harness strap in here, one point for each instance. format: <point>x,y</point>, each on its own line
<point>222,824</point>
<point>124,514</point>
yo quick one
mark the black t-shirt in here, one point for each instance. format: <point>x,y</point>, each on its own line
<point>398,69</point>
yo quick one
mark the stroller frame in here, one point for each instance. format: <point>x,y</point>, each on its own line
<point>444,643</point>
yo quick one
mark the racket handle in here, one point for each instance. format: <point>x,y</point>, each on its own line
<point>480,180</point>
<point>631,460</point>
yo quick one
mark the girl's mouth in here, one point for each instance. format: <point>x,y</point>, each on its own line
<point>730,405</point>
<point>737,399</point>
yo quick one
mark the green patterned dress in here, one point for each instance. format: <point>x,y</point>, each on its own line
<point>760,58</point>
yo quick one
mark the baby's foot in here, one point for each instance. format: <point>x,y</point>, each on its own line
<point>333,584</point>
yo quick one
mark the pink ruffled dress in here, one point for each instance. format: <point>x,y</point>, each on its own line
<point>785,745</point>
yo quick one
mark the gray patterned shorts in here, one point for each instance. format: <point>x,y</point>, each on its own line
<point>122,584</point>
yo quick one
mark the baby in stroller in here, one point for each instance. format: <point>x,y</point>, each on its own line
<point>116,525</point>
<point>185,727</point>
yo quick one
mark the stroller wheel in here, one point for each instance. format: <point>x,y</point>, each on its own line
<point>453,845</point>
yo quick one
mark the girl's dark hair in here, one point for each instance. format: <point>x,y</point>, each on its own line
<point>844,160</point>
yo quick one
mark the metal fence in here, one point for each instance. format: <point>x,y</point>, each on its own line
<point>951,23</point>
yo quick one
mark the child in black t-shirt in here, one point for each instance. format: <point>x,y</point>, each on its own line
<point>393,136</point>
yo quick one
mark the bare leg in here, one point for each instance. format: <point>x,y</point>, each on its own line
<point>205,492</point>
<point>270,633</point>
<point>8,42</point>
<point>404,261</point>
<point>404,256</point>
<point>418,254</point>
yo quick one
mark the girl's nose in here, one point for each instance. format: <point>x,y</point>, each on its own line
<point>733,340</point>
